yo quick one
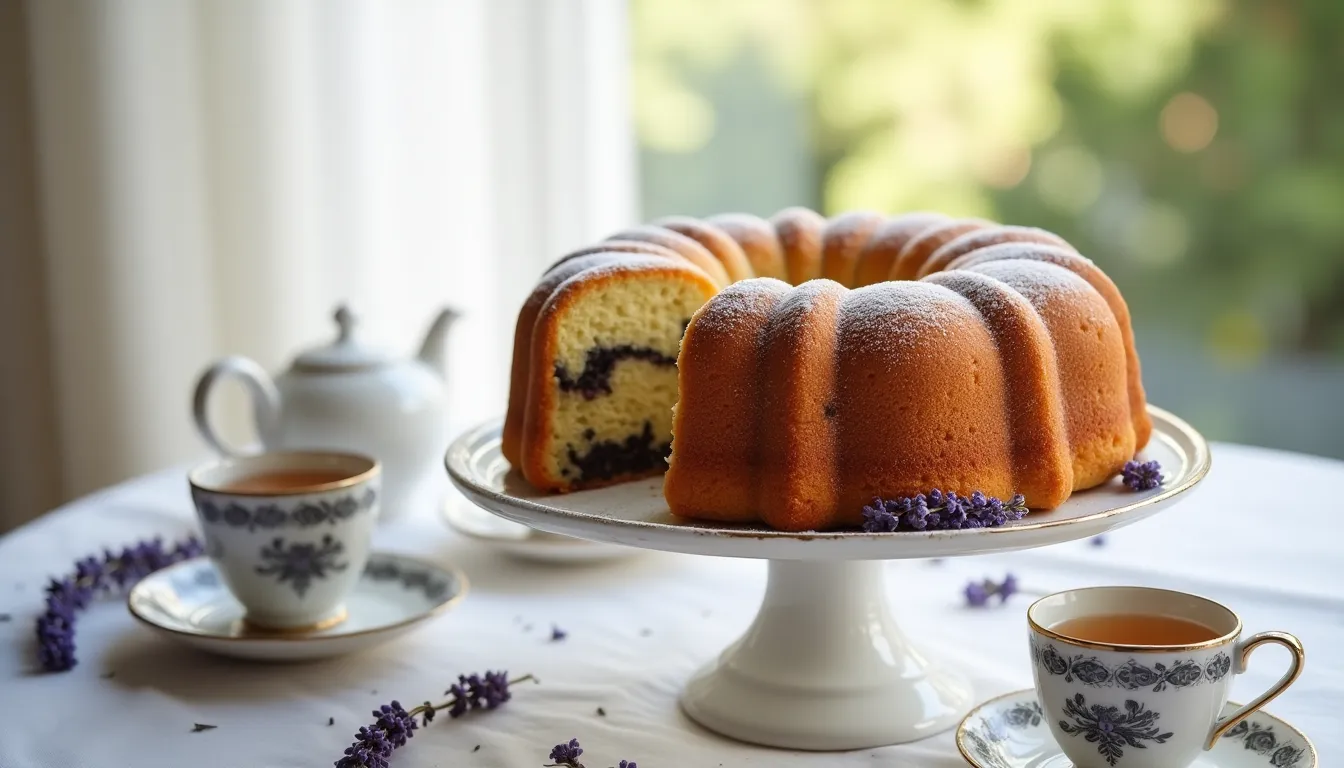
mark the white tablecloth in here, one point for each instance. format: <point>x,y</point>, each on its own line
<point>1259,534</point>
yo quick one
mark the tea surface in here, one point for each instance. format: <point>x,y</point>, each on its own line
<point>285,480</point>
<point>1135,629</point>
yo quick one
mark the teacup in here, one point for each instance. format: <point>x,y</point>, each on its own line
<point>1139,704</point>
<point>289,532</point>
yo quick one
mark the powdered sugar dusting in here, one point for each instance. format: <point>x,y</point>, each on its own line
<point>795,312</point>
<point>898,317</point>
<point>1039,281</point>
<point>739,302</point>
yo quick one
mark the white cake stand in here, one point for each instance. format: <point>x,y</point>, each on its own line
<point>824,665</point>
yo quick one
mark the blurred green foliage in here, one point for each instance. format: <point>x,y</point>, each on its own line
<point>1193,148</point>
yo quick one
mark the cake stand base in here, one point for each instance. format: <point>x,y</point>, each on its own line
<point>824,667</point>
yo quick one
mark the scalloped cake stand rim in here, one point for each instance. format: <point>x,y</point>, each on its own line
<point>634,514</point>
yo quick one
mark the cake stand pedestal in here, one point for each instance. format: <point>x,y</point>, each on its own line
<point>824,665</point>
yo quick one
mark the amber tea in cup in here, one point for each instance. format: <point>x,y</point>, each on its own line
<point>285,480</point>
<point>1135,629</point>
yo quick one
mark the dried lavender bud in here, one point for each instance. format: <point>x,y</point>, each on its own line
<point>976,595</point>
<point>1098,541</point>
<point>1142,477</point>
<point>566,755</point>
<point>938,511</point>
<point>876,518</point>
<point>1007,588</point>
<point>93,577</point>
<point>558,634</point>
<point>628,764</point>
<point>198,727</point>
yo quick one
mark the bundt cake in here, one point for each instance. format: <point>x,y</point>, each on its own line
<point>825,363</point>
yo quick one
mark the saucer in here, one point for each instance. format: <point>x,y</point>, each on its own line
<point>526,543</point>
<point>1010,732</point>
<point>188,602</point>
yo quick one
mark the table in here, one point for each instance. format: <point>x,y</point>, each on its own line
<point>637,628</point>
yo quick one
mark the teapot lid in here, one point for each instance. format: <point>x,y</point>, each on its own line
<point>346,353</point>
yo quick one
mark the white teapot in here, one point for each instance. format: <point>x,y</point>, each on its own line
<point>347,396</point>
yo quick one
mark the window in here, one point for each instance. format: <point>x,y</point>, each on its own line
<point>1194,150</point>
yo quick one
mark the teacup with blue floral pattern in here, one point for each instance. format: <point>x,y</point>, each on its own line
<point>290,555</point>
<point>1142,706</point>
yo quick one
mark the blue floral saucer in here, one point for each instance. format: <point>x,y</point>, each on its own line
<point>189,603</point>
<point>1010,732</point>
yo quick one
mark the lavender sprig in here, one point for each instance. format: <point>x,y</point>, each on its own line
<point>938,511</point>
<point>1142,477</point>
<point>566,755</point>
<point>394,725</point>
<point>978,593</point>
<point>94,577</point>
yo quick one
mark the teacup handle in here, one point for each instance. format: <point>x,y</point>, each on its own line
<point>1243,653</point>
<point>265,402</point>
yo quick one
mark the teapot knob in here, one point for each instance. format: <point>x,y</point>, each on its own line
<point>345,320</point>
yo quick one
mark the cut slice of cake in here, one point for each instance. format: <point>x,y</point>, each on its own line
<point>600,339</point>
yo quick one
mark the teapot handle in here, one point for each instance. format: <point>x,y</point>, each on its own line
<point>265,402</point>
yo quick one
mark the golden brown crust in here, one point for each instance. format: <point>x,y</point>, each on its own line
<point>1084,268</point>
<point>902,434</point>
<point>921,246</point>
<point>797,482</point>
<point>715,240</point>
<point>758,240</point>
<point>886,242</point>
<point>842,241</point>
<point>714,432</point>
<point>692,251</point>
<point>1090,364</point>
<point>984,238</point>
<point>799,232</point>
<point>1042,469</point>
<point>620,246</point>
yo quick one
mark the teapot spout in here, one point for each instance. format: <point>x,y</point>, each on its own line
<point>433,351</point>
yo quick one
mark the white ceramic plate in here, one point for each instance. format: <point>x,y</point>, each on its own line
<point>524,543</point>
<point>189,603</point>
<point>635,513</point>
<point>1009,732</point>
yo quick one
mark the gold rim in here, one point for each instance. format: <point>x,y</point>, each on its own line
<point>375,467</point>
<point>316,626</point>
<point>1135,648</point>
<point>962,727</point>
<point>458,460</point>
<point>463,587</point>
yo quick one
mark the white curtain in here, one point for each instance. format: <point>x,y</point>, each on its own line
<point>214,177</point>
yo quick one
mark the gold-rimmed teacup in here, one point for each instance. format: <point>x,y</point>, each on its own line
<point>289,532</point>
<point>1139,705</point>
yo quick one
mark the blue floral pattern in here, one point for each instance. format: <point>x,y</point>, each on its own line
<point>1022,715</point>
<point>300,564</point>
<point>410,578</point>
<point>272,516</point>
<point>1261,740</point>
<point>1129,675</point>
<point>1110,729</point>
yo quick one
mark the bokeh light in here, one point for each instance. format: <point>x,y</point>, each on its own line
<point>1189,122</point>
<point>1069,179</point>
